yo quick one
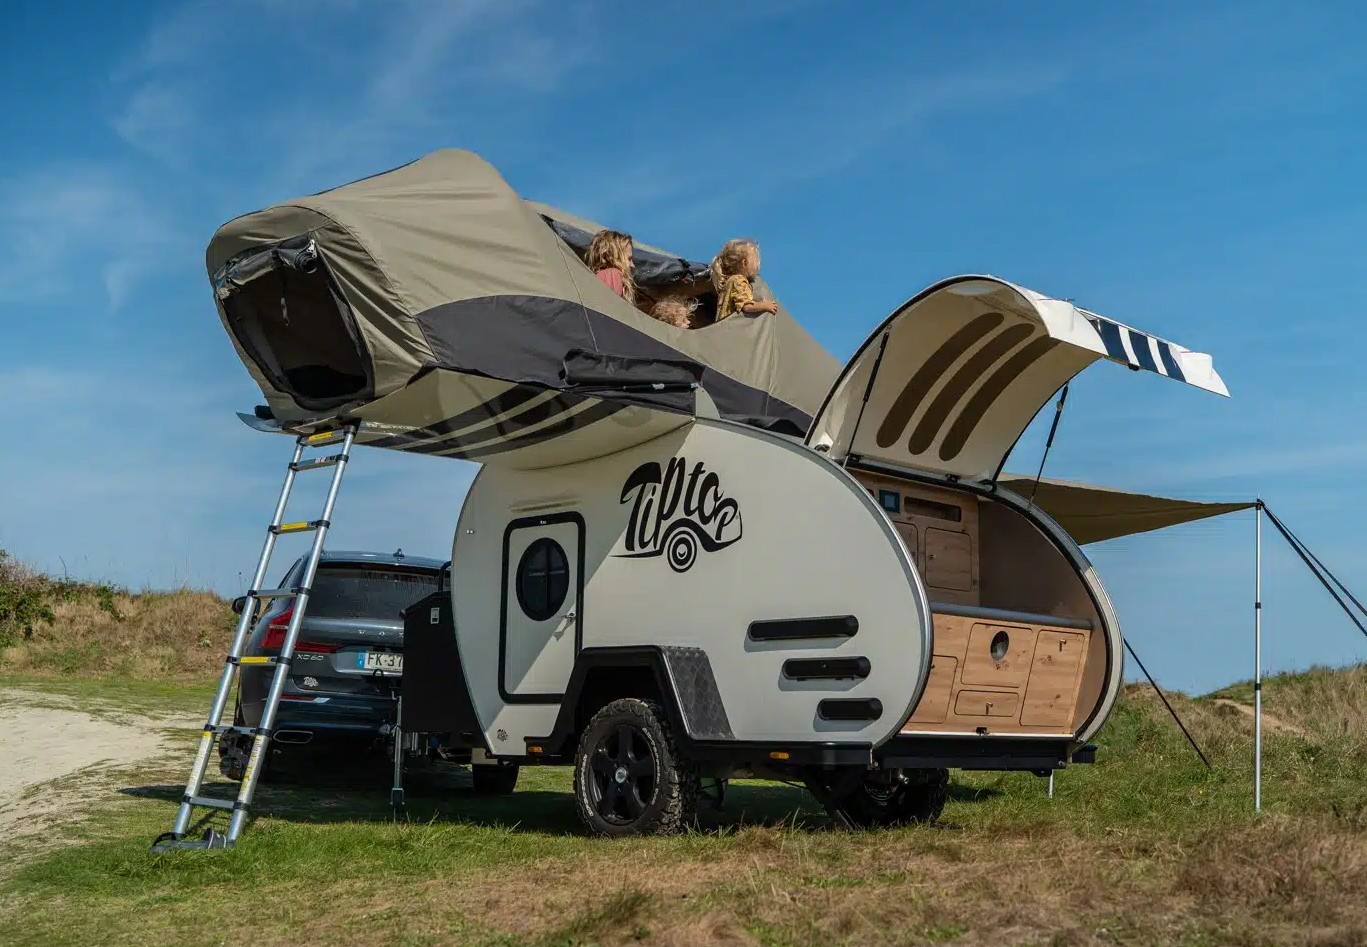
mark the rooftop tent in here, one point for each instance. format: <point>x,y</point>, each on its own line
<point>950,380</point>
<point>439,306</point>
<point>1092,514</point>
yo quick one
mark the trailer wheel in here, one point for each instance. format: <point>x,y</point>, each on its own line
<point>918,797</point>
<point>494,780</point>
<point>628,776</point>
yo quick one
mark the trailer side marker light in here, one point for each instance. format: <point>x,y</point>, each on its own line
<point>778,755</point>
<point>534,749</point>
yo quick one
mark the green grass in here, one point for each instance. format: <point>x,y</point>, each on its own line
<point>109,696</point>
<point>1147,846</point>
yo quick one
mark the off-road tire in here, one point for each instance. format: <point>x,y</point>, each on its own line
<point>920,799</point>
<point>493,780</point>
<point>665,791</point>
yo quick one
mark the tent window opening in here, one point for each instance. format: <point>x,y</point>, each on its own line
<point>283,307</point>
<point>656,275</point>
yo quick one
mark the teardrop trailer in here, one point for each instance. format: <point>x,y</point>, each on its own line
<point>689,555</point>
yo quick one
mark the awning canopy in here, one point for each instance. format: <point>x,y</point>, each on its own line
<point>1091,514</point>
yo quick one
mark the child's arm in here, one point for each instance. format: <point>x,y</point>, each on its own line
<point>745,299</point>
<point>760,305</point>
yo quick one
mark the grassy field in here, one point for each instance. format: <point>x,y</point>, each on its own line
<point>1145,847</point>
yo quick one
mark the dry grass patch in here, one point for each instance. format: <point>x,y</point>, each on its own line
<point>59,627</point>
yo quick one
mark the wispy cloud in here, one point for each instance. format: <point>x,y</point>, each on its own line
<point>158,119</point>
<point>61,227</point>
<point>423,64</point>
<point>799,135</point>
<point>161,485</point>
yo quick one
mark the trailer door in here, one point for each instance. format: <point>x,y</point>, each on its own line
<point>542,625</point>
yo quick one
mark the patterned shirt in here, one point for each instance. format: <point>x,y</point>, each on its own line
<point>735,293</point>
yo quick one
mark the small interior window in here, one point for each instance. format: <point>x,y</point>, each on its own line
<point>891,500</point>
<point>543,579</point>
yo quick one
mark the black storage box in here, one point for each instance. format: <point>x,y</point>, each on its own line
<point>435,696</point>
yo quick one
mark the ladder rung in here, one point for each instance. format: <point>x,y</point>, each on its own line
<point>303,526</point>
<point>220,729</point>
<point>275,593</point>
<point>211,802</point>
<point>323,438</point>
<point>256,659</point>
<point>332,460</point>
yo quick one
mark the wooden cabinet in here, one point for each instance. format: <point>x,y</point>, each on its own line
<point>992,672</point>
<point>940,529</point>
<point>1051,694</point>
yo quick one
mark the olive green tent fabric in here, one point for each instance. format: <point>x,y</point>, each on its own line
<point>1091,514</point>
<point>439,264</point>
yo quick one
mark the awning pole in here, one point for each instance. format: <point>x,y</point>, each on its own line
<point>1258,658</point>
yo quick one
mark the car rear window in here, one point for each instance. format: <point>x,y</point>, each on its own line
<point>367,591</point>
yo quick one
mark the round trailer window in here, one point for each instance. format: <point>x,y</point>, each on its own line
<point>543,579</point>
<point>1001,642</point>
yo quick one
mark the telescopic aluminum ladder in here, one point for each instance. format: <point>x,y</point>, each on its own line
<point>261,734</point>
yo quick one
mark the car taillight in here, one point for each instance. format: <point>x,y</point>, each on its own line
<point>275,631</point>
<point>275,637</point>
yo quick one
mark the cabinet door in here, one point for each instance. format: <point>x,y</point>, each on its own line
<point>1051,694</point>
<point>908,534</point>
<point>949,560</point>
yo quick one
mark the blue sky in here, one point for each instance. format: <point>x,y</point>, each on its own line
<point>1194,170</point>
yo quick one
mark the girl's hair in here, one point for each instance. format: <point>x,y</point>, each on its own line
<point>674,310</point>
<point>611,249</point>
<point>731,260</point>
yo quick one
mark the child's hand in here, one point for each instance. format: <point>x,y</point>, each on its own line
<point>769,306</point>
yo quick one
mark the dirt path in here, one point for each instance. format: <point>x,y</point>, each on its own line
<point>42,745</point>
<point>1272,723</point>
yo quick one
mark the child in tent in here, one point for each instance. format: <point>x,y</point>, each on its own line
<point>609,256</point>
<point>676,311</point>
<point>732,270</point>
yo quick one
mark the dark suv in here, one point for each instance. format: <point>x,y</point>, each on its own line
<point>348,658</point>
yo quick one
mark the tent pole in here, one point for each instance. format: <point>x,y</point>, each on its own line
<point>1258,658</point>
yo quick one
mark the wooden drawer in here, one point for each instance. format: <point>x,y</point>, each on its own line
<point>987,704</point>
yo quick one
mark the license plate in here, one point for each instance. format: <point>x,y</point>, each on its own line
<point>380,661</point>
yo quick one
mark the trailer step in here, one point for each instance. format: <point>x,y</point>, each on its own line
<point>317,463</point>
<point>263,594</point>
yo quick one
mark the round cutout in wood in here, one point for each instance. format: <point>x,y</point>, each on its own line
<point>1001,643</point>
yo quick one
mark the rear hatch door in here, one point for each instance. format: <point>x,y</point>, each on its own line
<point>950,380</point>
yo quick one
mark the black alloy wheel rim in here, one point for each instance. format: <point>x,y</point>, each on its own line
<point>623,775</point>
<point>883,796</point>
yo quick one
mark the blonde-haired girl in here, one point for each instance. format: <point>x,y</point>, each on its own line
<point>609,256</point>
<point>732,270</point>
<point>676,311</point>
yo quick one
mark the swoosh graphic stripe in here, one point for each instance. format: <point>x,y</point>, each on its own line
<point>899,415</point>
<point>536,414</point>
<point>933,420</point>
<point>575,422</point>
<point>501,404</point>
<point>986,396</point>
